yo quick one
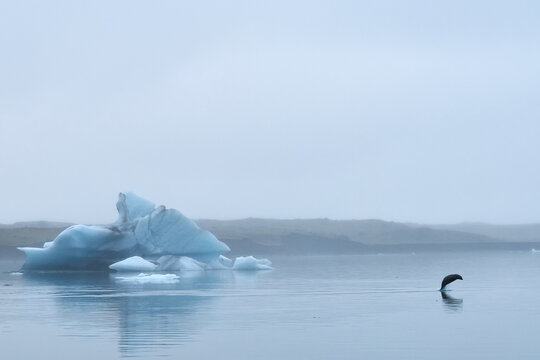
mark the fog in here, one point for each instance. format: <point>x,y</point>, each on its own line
<point>406,111</point>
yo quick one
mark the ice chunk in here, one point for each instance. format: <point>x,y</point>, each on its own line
<point>143,278</point>
<point>251,263</point>
<point>134,263</point>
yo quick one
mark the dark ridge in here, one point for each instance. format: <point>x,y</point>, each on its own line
<point>319,236</point>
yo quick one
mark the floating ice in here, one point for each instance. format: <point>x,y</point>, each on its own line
<point>143,278</point>
<point>144,238</point>
<point>134,263</point>
<point>251,263</point>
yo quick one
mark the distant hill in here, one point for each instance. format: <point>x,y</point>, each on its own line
<point>368,232</point>
<point>27,236</point>
<point>321,236</point>
<point>525,232</point>
<point>343,236</point>
<point>36,224</point>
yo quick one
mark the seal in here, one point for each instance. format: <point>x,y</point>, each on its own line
<point>448,279</point>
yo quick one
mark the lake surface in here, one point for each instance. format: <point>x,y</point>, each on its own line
<point>318,307</point>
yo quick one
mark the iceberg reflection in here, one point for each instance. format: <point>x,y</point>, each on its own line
<point>145,317</point>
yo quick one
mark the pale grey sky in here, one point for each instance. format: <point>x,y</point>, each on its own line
<point>401,110</point>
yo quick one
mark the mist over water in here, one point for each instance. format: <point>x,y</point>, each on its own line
<point>316,307</point>
<point>286,121</point>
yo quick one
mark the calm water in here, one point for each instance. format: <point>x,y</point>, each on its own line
<point>332,307</point>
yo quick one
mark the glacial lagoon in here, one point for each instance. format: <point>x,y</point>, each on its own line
<point>383,306</point>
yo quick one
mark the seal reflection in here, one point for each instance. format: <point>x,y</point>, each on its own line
<point>451,303</point>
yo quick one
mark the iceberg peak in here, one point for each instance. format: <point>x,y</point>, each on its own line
<point>131,206</point>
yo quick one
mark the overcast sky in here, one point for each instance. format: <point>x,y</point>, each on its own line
<point>424,111</point>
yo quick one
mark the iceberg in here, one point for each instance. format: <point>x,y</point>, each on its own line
<point>144,238</point>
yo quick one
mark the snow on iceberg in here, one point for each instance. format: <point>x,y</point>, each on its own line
<point>145,237</point>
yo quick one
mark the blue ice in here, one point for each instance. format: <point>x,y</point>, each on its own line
<point>145,237</point>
